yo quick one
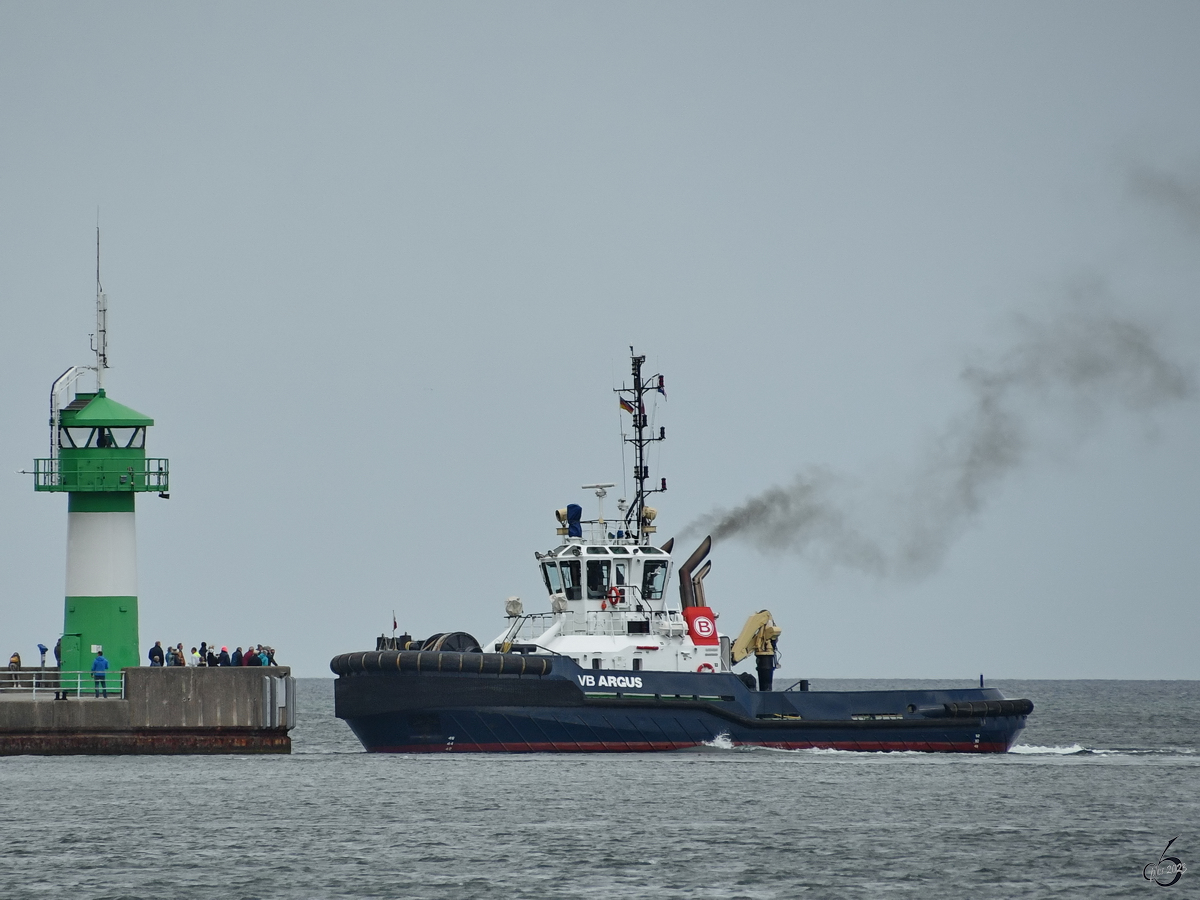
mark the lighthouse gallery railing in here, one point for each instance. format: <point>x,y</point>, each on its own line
<point>104,474</point>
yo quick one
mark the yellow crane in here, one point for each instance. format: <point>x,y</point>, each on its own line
<point>759,636</point>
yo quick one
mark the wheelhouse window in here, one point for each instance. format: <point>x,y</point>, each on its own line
<point>551,576</point>
<point>597,575</point>
<point>654,579</point>
<point>571,584</point>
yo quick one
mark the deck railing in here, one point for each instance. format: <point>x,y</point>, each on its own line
<point>595,622</point>
<point>46,684</point>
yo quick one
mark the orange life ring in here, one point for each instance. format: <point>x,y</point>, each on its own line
<point>705,667</point>
<point>614,595</point>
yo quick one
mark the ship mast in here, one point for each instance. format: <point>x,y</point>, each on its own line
<point>633,400</point>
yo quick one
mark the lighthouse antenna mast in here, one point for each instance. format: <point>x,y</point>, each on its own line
<point>100,340</point>
<point>66,381</point>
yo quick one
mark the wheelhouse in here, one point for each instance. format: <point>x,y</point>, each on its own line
<point>608,575</point>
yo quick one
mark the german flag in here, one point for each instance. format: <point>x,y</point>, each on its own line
<point>626,405</point>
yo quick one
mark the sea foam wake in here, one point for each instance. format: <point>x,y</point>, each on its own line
<point>724,742</point>
<point>1035,750</point>
<point>1080,750</point>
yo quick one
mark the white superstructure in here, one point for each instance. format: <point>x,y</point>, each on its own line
<point>610,609</point>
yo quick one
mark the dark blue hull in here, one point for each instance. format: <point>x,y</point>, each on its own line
<point>413,702</point>
<point>516,730</point>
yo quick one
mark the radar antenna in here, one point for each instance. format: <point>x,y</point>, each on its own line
<point>633,400</point>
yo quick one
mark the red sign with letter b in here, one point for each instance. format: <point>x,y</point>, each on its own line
<point>702,625</point>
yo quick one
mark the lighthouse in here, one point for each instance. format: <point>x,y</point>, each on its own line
<point>98,459</point>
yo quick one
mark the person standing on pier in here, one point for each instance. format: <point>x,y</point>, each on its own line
<point>99,668</point>
<point>156,654</point>
<point>59,694</point>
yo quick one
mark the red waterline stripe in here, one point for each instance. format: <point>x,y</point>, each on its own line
<point>537,747</point>
<point>644,746</point>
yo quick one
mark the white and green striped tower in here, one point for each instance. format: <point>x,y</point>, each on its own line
<point>98,458</point>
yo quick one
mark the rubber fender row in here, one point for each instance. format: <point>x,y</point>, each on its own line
<point>374,661</point>
<point>988,709</point>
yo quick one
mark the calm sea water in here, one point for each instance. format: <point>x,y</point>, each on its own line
<point>1105,775</point>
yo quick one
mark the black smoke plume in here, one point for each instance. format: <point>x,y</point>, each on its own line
<point>1073,368</point>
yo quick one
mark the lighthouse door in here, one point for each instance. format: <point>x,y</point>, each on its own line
<point>71,661</point>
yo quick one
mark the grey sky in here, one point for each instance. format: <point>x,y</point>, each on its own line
<point>374,269</point>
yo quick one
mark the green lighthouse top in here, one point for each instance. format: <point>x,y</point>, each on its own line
<point>94,421</point>
<point>100,410</point>
<point>97,445</point>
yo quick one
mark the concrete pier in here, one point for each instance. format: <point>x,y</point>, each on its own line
<point>164,710</point>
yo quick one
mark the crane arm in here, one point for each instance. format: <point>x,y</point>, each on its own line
<point>758,637</point>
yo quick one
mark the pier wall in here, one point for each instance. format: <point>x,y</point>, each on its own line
<point>165,710</point>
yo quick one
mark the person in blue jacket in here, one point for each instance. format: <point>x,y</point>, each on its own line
<point>99,668</point>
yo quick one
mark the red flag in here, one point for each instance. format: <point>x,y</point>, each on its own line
<point>394,625</point>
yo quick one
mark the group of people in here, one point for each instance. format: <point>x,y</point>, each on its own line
<point>204,655</point>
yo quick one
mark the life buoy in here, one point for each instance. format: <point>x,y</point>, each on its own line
<point>705,667</point>
<point>614,595</point>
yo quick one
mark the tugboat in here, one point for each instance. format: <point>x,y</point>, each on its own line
<point>617,664</point>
